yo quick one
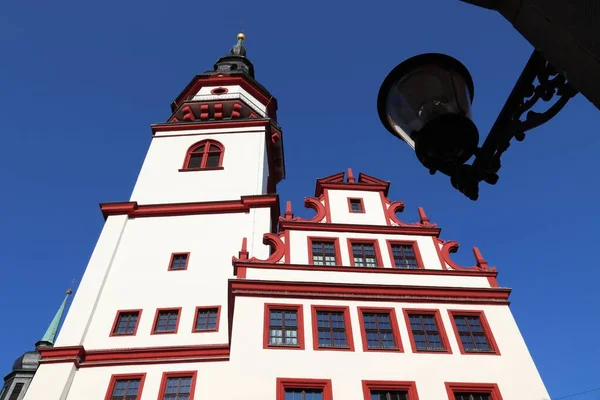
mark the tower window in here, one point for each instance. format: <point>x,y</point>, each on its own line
<point>177,385</point>
<point>380,329</point>
<point>207,319</point>
<point>426,330</point>
<point>179,261</point>
<point>125,387</point>
<point>126,323</point>
<point>324,251</point>
<point>166,321</point>
<point>207,154</point>
<point>472,332</point>
<point>356,206</point>
<point>404,255</point>
<point>364,254</point>
<point>332,329</point>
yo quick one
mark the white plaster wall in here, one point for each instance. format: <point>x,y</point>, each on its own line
<point>52,381</point>
<point>338,206</point>
<point>160,181</point>
<point>232,89</point>
<point>139,279</point>
<point>299,246</point>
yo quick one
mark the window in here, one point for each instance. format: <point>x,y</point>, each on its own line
<point>356,206</point>
<point>405,255</point>
<point>389,390</point>
<point>472,332</point>
<point>284,326</point>
<point>179,261</point>
<point>380,330</point>
<point>166,320</point>
<point>331,328</point>
<point>177,385</point>
<point>207,154</point>
<point>16,391</point>
<point>473,391</point>
<point>126,323</point>
<point>324,251</point>
<point>303,389</point>
<point>364,253</point>
<point>125,387</point>
<point>426,331</point>
<point>207,319</point>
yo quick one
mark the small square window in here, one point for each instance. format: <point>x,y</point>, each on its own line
<point>179,261</point>
<point>126,323</point>
<point>207,319</point>
<point>177,385</point>
<point>324,251</point>
<point>356,206</point>
<point>364,253</point>
<point>166,321</point>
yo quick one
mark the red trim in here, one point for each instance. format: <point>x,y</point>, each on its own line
<point>205,153</point>
<point>375,244</point>
<point>197,125</point>
<point>239,265</point>
<point>490,388</point>
<point>201,169</point>
<point>266,325</point>
<point>375,229</point>
<point>436,244</point>
<point>484,325</point>
<point>118,377</point>
<point>493,282</point>
<point>187,261</point>
<point>178,374</point>
<point>364,183</point>
<point>415,247</point>
<point>338,291</point>
<point>296,383</point>
<point>384,207</point>
<point>52,355</point>
<point>440,326</point>
<point>327,211</point>
<point>158,310</point>
<point>219,90</point>
<point>347,325</point>
<point>114,325</point>
<point>336,246</point>
<point>278,248</point>
<point>452,247</point>
<point>362,205</point>
<point>393,322</point>
<point>410,387</point>
<point>218,308</point>
<point>133,210</point>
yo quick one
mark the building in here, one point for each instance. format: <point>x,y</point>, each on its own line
<point>200,288</point>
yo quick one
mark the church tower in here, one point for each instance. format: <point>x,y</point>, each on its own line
<point>198,289</point>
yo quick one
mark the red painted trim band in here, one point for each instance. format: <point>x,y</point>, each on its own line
<point>184,126</point>
<point>375,229</point>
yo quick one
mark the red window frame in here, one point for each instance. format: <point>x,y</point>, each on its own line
<point>187,261</point>
<point>116,321</point>
<point>393,322</point>
<point>441,330</point>
<point>375,244</point>
<point>205,153</point>
<point>345,310</point>
<point>336,247</point>
<point>117,377</point>
<point>362,205</point>
<point>158,310</point>
<point>489,388</point>
<point>486,330</point>
<point>218,308</point>
<point>292,383</point>
<point>405,386</point>
<point>415,247</point>
<point>299,308</point>
<point>177,374</point>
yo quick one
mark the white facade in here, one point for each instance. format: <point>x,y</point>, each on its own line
<point>211,214</point>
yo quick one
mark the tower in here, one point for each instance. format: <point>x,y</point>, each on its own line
<point>199,289</point>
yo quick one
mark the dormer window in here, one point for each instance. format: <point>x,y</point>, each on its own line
<point>356,206</point>
<point>205,155</point>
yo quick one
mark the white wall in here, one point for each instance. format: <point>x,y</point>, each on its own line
<point>338,206</point>
<point>160,180</point>
<point>204,92</point>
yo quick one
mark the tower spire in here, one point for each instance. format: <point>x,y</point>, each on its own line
<point>50,335</point>
<point>235,62</point>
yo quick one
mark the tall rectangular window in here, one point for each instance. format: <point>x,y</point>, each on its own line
<point>303,389</point>
<point>364,254</point>
<point>331,328</point>
<point>125,387</point>
<point>324,251</point>
<point>380,329</point>
<point>404,255</point>
<point>166,321</point>
<point>177,385</point>
<point>207,319</point>
<point>426,330</point>
<point>126,323</point>
<point>284,326</point>
<point>472,332</point>
<point>179,261</point>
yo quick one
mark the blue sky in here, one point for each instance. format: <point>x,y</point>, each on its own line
<point>80,83</point>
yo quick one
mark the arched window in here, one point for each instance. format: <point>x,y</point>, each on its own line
<point>207,154</point>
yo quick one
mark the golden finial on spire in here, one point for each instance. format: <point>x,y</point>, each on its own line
<point>69,291</point>
<point>241,36</point>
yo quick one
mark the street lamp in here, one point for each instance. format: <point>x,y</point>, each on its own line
<point>426,102</point>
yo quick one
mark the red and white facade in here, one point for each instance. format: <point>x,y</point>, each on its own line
<point>190,280</point>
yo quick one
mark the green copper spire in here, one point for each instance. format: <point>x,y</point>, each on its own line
<point>50,335</point>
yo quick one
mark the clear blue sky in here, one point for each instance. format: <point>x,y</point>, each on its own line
<point>80,83</point>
